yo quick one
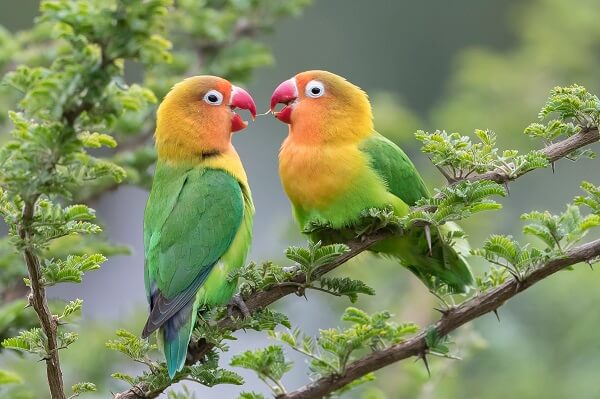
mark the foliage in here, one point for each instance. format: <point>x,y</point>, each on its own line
<point>268,363</point>
<point>458,157</point>
<point>456,202</point>
<point>305,274</point>
<point>334,348</point>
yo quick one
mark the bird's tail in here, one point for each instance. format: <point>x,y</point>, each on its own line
<point>444,263</point>
<point>176,334</point>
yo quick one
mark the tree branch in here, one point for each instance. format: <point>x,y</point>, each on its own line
<point>454,318</point>
<point>553,152</point>
<point>38,301</point>
<point>466,312</point>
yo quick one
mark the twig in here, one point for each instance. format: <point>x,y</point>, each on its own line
<point>553,152</point>
<point>40,304</point>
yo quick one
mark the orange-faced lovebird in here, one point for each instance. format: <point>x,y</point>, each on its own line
<point>198,219</point>
<point>333,165</point>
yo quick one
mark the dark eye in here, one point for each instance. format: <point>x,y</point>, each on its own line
<point>213,97</point>
<point>315,89</point>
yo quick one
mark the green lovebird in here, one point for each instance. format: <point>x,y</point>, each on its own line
<point>198,219</point>
<point>333,165</point>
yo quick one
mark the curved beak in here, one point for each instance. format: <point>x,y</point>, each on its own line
<point>240,98</point>
<point>286,93</point>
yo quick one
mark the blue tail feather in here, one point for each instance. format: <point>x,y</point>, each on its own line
<point>177,332</point>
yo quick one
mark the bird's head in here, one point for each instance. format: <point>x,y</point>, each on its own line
<point>197,117</point>
<point>321,105</point>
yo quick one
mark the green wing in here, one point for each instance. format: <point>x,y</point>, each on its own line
<point>395,168</point>
<point>191,219</point>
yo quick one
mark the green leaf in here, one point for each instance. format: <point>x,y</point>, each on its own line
<point>82,387</point>
<point>346,286</point>
<point>251,395</point>
<point>131,345</point>
<point>96,140</point>
<point>71,269</point>
<point>32,341</point>
<point>268,363</point>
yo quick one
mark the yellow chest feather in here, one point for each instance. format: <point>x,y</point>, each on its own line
<point>315,176</point>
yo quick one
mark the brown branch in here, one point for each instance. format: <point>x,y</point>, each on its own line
<point>259,300</point>
<point>553,152</point>
<point>454,318</point>
<point>38,301</point>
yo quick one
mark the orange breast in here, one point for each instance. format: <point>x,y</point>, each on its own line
<point>314,176</point>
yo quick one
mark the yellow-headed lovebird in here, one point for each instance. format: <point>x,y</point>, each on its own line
<point>198,219</point>
<point>333,165</point>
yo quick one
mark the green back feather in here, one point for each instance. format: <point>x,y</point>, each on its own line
<point>395,168</point>
<point>192,217</point>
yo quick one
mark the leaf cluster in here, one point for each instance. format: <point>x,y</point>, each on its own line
<point>575,109</point>
<point>458,157</point>
<point>456,202</point>
<point>334,348</point>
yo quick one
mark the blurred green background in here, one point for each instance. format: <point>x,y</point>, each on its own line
<point>455,65</point>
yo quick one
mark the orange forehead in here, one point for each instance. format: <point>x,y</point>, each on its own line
<point>198,86</point>
<point>334,84</point>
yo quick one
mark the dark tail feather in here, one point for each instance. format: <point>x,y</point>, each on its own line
<point>177,332</point>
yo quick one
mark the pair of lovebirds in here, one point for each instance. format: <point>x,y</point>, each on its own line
<point>333,165</point>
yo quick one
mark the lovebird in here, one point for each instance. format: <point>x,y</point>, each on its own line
<point>198,219</point>
<point>333,166</point>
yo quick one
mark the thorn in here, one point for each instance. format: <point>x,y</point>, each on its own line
<point>496,313</point>
<point>506,188</point>
<point>590,264</point>
<point>444,312</point>
<point>428,237</point>
<point>553,169</point>
<point>423,357</point>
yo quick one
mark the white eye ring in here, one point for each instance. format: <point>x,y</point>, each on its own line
<point>213,97</point>
<point>314,89</point>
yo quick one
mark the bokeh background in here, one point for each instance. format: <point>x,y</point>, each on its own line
<point>455,65</point>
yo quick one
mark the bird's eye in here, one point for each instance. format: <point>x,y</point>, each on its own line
<point>213,97</point>
<point>315,89</point>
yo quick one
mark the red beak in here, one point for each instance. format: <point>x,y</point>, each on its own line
<point>240,98</point>
<point>286,93</point>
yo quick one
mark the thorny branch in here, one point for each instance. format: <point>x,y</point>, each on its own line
<point>452,319</point>
<point>39,302</point>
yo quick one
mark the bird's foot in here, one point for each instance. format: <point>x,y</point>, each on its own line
<point>238,302</point>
